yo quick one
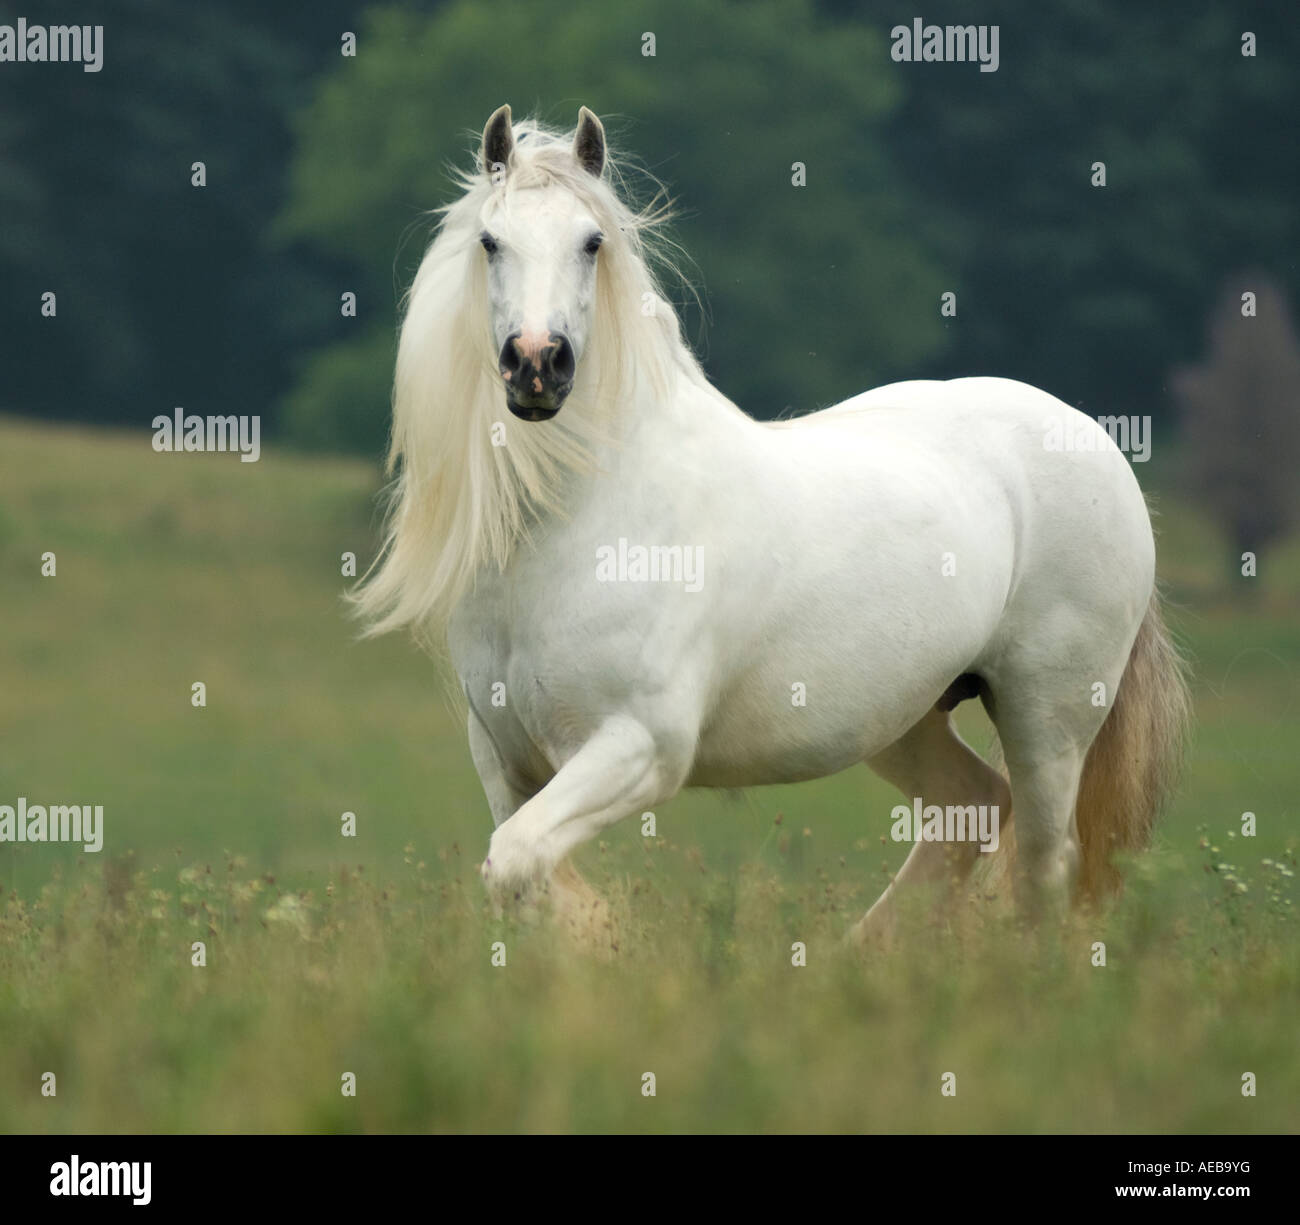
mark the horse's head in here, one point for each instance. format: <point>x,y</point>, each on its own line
<point>541,245</point>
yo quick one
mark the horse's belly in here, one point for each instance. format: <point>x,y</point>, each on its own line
<point>725,760</point>
<point>779,723</point>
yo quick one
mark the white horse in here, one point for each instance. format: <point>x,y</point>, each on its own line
<point>643,588</point>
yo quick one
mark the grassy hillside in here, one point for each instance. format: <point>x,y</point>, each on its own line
<point>372,954</point>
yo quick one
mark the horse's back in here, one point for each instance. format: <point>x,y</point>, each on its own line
<point>997,482</point>
<point>1080,527</point>
<point>1018,437</point>
<point>981,389</point>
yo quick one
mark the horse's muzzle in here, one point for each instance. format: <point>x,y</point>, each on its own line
<point>537,373</point>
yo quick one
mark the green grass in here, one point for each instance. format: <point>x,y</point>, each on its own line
<point>372,955</point>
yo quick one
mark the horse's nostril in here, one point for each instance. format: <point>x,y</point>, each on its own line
<point>510,359</point>
<point>562,360</point>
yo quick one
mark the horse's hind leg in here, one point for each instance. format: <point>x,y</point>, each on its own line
<point>1047,718</point>
<point>1045,787</point>
<point>932,763</point>
<point>1045,739</point>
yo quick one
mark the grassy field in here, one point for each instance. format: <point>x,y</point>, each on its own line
<point>373,955</point>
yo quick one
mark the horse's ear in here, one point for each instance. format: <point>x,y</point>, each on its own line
<point>589,143</point>
<point>498,141</point>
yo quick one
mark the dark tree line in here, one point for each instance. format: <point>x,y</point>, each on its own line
<point>921,179</point>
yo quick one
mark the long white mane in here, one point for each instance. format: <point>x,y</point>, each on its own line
<point>459,502</point>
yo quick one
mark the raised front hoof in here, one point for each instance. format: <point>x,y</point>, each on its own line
<point>521,896</point>
<point>560,899</point>
<point>517,873</point>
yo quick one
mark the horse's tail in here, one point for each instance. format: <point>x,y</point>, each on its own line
<point>1132,766</point>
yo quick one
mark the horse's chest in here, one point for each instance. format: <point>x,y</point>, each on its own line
<point>541,686</point>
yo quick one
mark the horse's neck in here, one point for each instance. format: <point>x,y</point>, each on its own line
<point>651,450</point>
<point>655,422</point>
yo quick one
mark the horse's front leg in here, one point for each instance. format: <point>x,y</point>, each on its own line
<point>504,798</point>
<point>622,769</point>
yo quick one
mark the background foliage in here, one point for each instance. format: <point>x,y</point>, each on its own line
<point>922,178</point>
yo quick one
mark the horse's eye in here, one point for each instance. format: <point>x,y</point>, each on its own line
<point>593,244</point>
<point>489,243</point>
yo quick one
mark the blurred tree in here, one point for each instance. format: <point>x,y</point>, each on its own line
<point>1091,292</point>
<point>921,178</point>
<point>1241,414</point>
<point>167,294</point>
<point>816,292</point>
